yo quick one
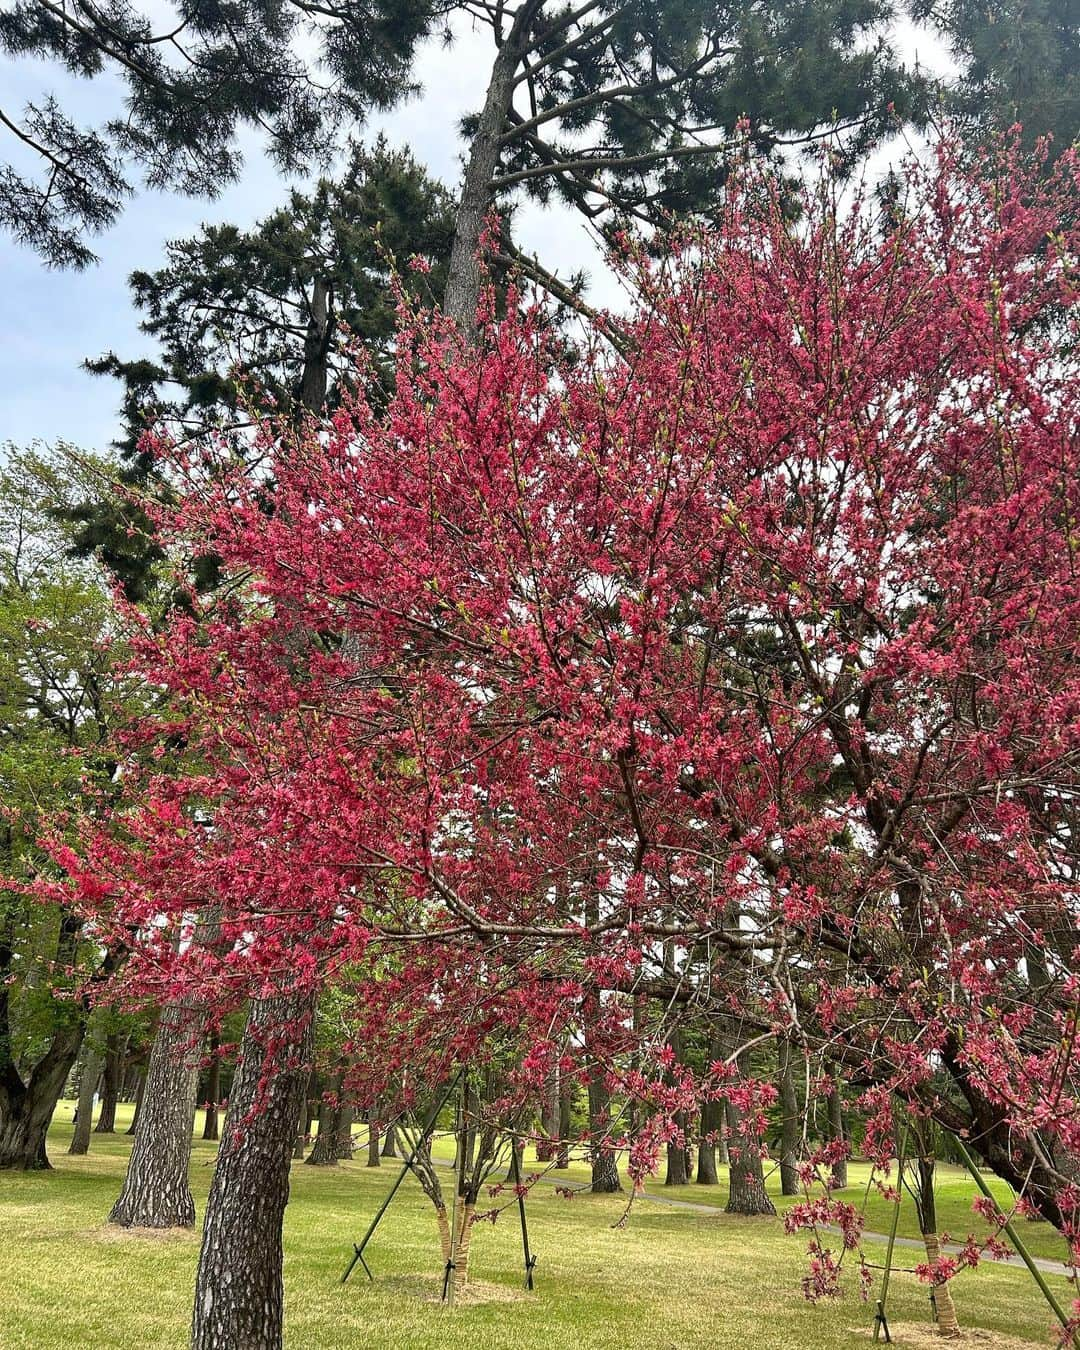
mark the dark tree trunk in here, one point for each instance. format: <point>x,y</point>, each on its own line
<point>789,1129</point>
<point>26,1109</point>
<point>605,1173</point>
<point>157,1192</point>
<point>373,1127</point>
<point>84,1111</point>
<point>562,1151</point>
<point>465,1147</point>
<point>27,1106</point>
<point>343,1142</point>
<point>746,1180</point>
<point>239,1292</point>
<point>320,333</point>
<point>464,275</point>
<point>675,1173</point>
<point>836,1132</point>
<point>324,1150</point>
<point>140,1088</point>
<point>678,1156</point>
<point>711,1124</point>
<point>307,1115</point>
<point>470,1147</point>
<point>517,1146</point>
<point>605,1167</point>
<point>110,1084</point>
<point>679,1168</point>
<point>389,1148</point>
<point>213,1090</point>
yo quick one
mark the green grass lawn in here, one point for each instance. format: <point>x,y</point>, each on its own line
<point>671,1278</point>
<point>954,1193</point>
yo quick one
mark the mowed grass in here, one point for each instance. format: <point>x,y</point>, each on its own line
<point>670,1278</point>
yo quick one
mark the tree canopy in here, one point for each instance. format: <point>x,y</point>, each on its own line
<point>730,668</point>
<point>612,105</point>
<point>1017,62</point>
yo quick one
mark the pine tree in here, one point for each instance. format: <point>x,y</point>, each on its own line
<point>1019,61</point>
<point>192,81</point>
<point>262,314</point>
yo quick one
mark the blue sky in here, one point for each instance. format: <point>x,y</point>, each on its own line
<point>51,321</point>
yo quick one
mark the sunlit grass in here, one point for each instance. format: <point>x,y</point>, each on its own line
<point>670,1278</point>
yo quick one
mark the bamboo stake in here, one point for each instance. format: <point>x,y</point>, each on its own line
<point>1014,1238</point>
<point>880,1320</point>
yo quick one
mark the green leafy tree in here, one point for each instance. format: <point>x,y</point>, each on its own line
<point>627,110</point>
<point>58,697</point>
<point>271,304</point>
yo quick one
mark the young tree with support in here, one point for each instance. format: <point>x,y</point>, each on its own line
<point>924,1165</point>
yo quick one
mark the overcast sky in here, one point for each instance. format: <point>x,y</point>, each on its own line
<point>51,321</point>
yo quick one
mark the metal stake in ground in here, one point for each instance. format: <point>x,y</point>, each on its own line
<point>460,1173</point>
<point>881,1322</point>
<point>530,1260</point>
<point>1014,1238</point>
<point>425,1133</point>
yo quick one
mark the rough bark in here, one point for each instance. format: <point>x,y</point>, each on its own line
<point>464,276</point>
<point>110,1084</point>
<point>605,1167</point>
<point>373,1159</point>
<point>789,1128</point>
<point>157,1191</point>
<point>26,1109</point>
<point>84,1111</point>
<point>678,1157</point>
<point>211,1129</point>
<point>389,1148</point>
<point>746,1181</point>
<point>314,376</point>
<point>711,1124</point>
<point>323,1151</point>
<point>605,1173</point>
<point>140,1089</point>
<point>239,1293</point>
<point>27,1104</point>
<point>343,1141</point>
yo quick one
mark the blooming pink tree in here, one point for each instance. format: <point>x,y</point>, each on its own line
<point>724,662</point>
